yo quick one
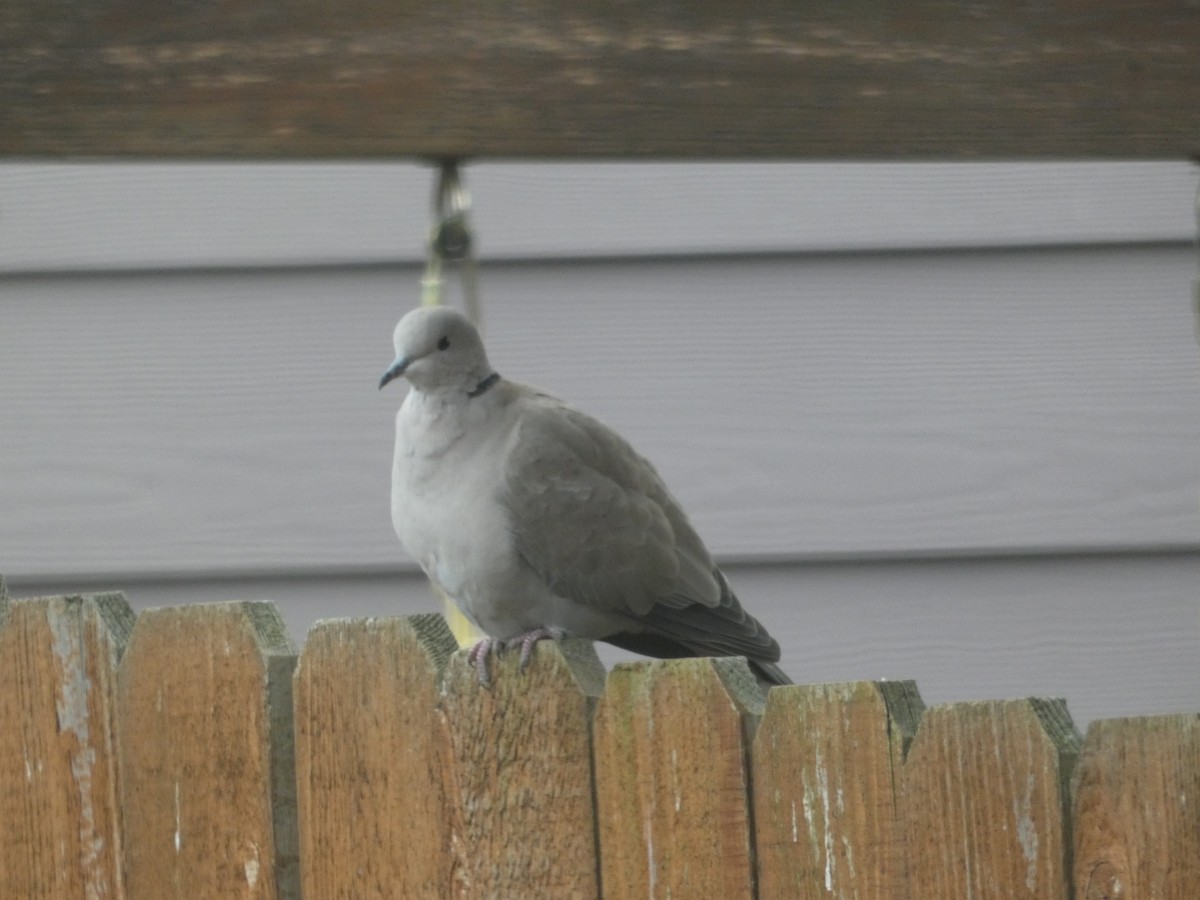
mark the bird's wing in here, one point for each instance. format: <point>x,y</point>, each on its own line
<point>594,519</point>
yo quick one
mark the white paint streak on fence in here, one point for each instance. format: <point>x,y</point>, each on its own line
<point>251,867</point>
<point>675,780</point>
<point>73,718</point>
<point>821,794</point>
<point>1027,832</point>
<point>178,818</point>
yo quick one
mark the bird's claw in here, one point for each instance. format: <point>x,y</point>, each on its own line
<point>478,655</point>
<point>529,639</point>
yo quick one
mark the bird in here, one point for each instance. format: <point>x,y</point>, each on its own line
<point>540,521</point>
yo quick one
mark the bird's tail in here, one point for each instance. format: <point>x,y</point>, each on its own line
<point>768,672</point>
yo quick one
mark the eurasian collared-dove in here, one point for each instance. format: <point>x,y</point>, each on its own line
<point>540,521</point>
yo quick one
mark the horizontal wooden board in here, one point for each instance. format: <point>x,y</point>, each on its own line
<point>117,216</point>
<point>1115,635</point>
<point>801,407</point>
<point>542,78</point>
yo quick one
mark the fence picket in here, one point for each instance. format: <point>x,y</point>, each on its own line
<point>60,836</point>
<point>374,821</point>
<point>985,797</point>
<point>519,773</point>
<point>1137,809</point>
<point>827,763</point>
<point>672,780</point>
<point>206,767</point>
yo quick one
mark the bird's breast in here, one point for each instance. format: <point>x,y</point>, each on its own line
<point>446,482</point>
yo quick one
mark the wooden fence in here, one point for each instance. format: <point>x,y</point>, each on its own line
<point>189,753</point>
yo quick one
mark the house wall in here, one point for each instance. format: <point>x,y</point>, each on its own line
<point>938,421</point>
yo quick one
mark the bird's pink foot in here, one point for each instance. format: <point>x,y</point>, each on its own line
<point>527,641</point>
<point>478,655</point>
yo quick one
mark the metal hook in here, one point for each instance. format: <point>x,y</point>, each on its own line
<point>452,235</point>
<point>450,241</point>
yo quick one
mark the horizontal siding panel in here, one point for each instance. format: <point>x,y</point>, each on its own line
<point>801,407</point>
<point>61,216</point>
<point>1116,636</point>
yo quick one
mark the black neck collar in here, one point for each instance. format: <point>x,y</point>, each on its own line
<point>484,386</point>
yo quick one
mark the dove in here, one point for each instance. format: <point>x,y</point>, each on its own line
<point>542,522</point>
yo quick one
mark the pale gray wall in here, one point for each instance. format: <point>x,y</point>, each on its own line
<point>940,420</point>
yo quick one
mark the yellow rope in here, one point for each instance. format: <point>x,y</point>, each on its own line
<point>432,283</point>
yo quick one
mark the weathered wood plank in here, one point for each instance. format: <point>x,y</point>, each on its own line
<point>60,838</point>
<point>373,815</point>
<point>519,774</point>
<point>543,78</point>
<point>206,756</point>
<point>827,764</point>
<point>672,779</point>
<point>985,798</point>
<point>1137,809</point>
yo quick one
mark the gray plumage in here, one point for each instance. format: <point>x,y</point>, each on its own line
<point>540,520</point>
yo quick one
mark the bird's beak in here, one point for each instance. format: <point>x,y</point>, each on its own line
<point>394,371</point>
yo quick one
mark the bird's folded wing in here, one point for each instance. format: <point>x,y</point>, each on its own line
<point>593,518</point>
<point>722,630</point>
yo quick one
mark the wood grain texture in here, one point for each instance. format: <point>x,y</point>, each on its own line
<point>828,819</point>
<point>1137,819</point>
<point>672,779</point>
<point>374,820</point>
<point>541,79</point>
<point>61,833</point>
<point>986,800</point>
<point>800,408</point>
<point>519,774</point>
<point>62,217</point>
<point>207,764</point>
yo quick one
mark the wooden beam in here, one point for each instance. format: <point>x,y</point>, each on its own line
<point>482,78</point>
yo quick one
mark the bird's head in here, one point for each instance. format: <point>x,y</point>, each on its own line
<point>438,348</point>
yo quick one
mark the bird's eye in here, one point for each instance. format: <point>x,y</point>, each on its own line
<point>443,343</point>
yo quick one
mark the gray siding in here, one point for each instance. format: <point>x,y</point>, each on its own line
<point>942,421</point>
